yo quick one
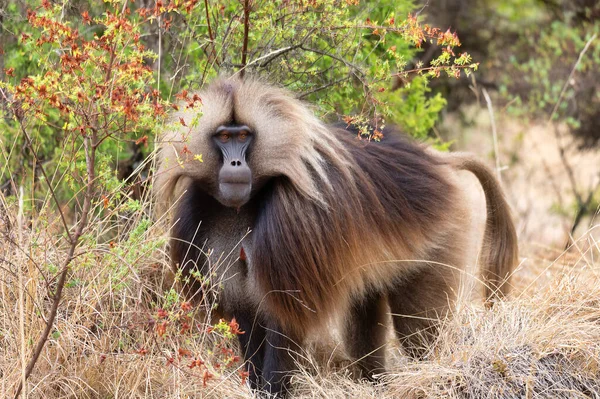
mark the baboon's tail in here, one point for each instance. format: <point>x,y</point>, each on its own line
<point>500,247</point>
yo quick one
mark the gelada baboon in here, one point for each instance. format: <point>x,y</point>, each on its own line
<point>338,226</point>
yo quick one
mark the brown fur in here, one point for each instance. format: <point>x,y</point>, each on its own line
<point>338,224</point>
<point>500,240</point>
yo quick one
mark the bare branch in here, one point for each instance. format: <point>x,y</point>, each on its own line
<point>581,203</point>
<point>210,34</point>
<point>564,88</point>
<point>323,87</point>
<point>43,170</point>
<point>246,32</point>
<point>494,133</point>
<point>335,57</point>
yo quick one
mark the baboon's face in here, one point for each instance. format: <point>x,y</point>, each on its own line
<point>235,176</point>
<point>248,134</point>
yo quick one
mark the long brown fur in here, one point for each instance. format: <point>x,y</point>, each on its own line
<point>325,254</point>
<point>337,224</point>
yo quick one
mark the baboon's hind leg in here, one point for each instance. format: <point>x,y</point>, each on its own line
<point>421,300</point>
<point>365,333</point>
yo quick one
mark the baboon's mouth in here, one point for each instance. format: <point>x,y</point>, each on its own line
<point>234,194</point>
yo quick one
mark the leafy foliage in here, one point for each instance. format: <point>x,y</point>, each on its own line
<point>337,54</point>
<point>84,85</point>
<point>544,72</point>
<point>78,68</point>
<point>530,48</point>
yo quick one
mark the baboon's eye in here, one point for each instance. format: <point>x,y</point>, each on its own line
<point>243,136</point>
<point>224,137</point>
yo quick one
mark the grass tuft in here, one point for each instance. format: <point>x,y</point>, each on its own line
<point>123,330</point>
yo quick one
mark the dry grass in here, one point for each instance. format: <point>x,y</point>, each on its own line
<point>543,342</point>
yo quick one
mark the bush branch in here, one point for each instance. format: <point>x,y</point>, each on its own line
<point>246,32</point>
<point>90,155</point>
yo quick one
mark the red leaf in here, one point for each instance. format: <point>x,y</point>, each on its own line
<point>143,139</point>
<point>234,327</point>
<point>142,351</point>
<point>86,17</point>
<point>205,377</point>
<point>183,352</point>
<point>244,375</point>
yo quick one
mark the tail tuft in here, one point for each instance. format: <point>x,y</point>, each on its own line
<point>500,246</point>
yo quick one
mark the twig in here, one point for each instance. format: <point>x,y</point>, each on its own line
<point>210,34</point>
<point>278,53</point>
<point>159,53</point>
<point>564,88</point>
<point>581,212</point>
<point>355,68</point>
<point>323,87</point>
<point>21,296</point>
<point>581,203</point>
<point>433,68</point>
<point>567,166</point>
<point>43,170</point>
<point>212,52</point>
<point>246,32</point>
<point>273,55</point>
<point>90,155</point>
<point>494,133</point>
<point>422,8</point>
